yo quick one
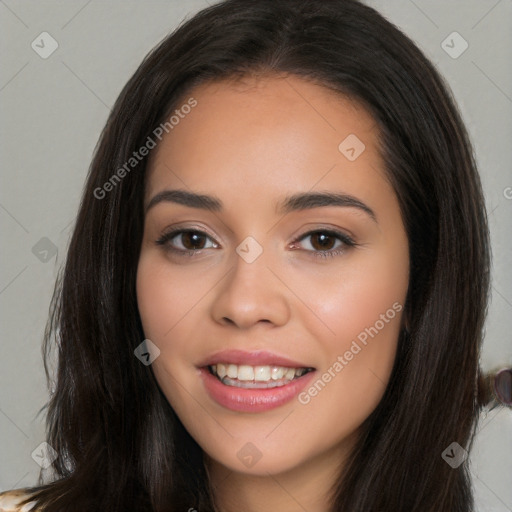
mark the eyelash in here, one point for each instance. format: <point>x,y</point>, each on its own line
<point>347,242</point>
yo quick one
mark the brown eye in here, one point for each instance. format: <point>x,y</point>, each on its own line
<point>326,243</point>
<point>192,240</point>
<point>185,241</point>
<point>322,241</point>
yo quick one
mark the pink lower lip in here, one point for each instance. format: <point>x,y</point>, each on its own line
<point>252,400</point>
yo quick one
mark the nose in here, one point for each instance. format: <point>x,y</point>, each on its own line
<point>251,294</point>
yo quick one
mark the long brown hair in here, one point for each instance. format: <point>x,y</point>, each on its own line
<point>121,446</point>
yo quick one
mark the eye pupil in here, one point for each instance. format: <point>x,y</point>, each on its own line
<point>325,240</point>
<point>194,239</point>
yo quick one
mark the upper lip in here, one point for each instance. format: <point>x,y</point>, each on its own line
<point>255,358</point>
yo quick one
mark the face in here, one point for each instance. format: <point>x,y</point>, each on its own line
<point>298,259</point>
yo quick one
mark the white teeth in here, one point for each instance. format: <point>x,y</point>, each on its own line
<point>290,374</point>
<point>248,373</point>
<point>262,373</point>
<point>232,371</point>
<point>221,370</point>
<point>245,372</point>
<point>277,372</point>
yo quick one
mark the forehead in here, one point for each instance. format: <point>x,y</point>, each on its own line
<point>264,136</point>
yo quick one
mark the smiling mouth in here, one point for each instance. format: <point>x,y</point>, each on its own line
<point>256,377</point>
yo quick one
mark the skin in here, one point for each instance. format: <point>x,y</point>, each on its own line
<point>250,143</point>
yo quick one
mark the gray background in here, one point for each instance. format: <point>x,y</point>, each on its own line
<point>53,110</point>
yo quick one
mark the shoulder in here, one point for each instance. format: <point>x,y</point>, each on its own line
<point>9,501</point>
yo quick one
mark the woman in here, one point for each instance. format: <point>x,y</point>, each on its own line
<point>276,287</point>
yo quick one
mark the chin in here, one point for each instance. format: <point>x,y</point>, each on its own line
<point>263,466</point>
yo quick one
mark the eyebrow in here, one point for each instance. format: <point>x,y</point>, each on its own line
<point>295,202</point>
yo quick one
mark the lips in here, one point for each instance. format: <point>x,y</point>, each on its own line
<point>255,358</point>
<point>248,398</point>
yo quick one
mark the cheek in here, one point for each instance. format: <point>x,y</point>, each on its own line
<point>170,301</point>
<point>361,308</point>
<point>163,309</point>
<point>359,297</point>
<point>152,297</point>
<point>359,362</point>
<point>164,298</point>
